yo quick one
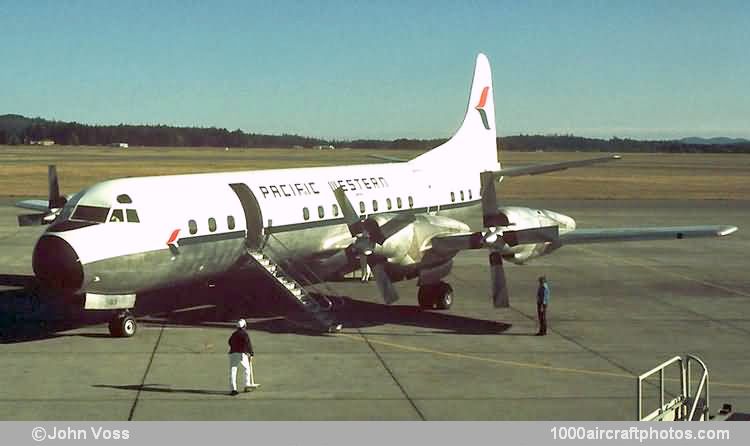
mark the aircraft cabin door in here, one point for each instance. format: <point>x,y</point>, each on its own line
<point>253,216</point>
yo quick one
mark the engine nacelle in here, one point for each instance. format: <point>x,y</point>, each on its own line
<point>519,218</point>
<point>408,246</point>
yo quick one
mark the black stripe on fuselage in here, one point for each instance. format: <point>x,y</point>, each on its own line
<point>211,238</point>
<point>340,220</point>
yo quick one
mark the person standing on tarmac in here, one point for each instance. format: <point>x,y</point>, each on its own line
<point>542,300</point>
<point>240,354</point>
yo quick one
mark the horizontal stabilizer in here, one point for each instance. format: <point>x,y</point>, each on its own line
<point>390,159</point>
<point>552,167</point>
<point>580,236</point>
<point>34,205</point>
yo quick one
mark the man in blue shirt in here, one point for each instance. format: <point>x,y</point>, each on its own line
<point>542,300</point>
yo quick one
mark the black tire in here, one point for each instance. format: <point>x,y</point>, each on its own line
<point>427,296</point>
<point>443,296</point>
<point>123,326</point>
<point>114,327</point>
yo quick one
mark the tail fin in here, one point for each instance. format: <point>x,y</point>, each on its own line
<point>473,147</point>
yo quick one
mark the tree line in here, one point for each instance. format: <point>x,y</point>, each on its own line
<point>16,129</point>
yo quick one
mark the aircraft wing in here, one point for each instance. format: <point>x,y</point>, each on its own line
<point>34,205</point>
<point>552,167</point>
<point>580,236</point>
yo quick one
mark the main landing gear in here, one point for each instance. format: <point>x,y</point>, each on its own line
<point>435,295</point>
<point>123,325</point>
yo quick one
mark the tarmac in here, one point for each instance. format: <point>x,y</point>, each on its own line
<point>617,310</point>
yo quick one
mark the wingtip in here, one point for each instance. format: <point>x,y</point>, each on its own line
<point>726,230</point>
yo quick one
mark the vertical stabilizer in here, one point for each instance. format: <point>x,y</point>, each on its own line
<point>473,147</point>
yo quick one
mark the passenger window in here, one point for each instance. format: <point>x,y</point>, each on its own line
<point>117,216</point>
<point>335,210</point>
<point>192,226</point>
<point>212,224</point>
<point>388,203</point>
<point>411,202</point>
<point>361,207</point>
<point>453,197</point>
<point>124,199</point>
<point>462,195</point>
<point>398,202</point>
<point>305,213</point>
<point>321,212</point>
<point>374,205</point>
<point>230,222</point>
<point>132,216</point>
<point>469,194</point>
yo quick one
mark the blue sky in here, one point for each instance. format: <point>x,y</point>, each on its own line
<point>382,69</point>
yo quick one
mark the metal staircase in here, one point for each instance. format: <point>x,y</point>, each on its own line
<point>689,404</point>
<point>294,291</point>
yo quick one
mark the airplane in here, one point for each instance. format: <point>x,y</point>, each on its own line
<point>120,238</point>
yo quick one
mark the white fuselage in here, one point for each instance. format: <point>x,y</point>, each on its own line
<point>195,226</point>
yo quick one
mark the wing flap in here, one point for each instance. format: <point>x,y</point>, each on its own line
<point>580,236</point>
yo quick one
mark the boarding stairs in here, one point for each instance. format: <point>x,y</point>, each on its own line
<point>292,289</point>
<point>686,405</point>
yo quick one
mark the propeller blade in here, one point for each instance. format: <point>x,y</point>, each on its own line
<point>532,235</point>
<point>490,216</point>
<point>385,286</point>
<point>500,297</point>
<point>56,201</point>
<point>395,224</point>
<point>350,215</point>
<point>458,242</point>
<point>32,219</point>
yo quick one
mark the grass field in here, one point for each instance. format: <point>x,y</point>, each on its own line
<point>23,170</point>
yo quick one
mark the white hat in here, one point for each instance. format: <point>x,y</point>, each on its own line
<point>241,323</point>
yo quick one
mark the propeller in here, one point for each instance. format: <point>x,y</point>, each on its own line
<point>496,239</point>
<point>55,203</point>
<point>367,233</point>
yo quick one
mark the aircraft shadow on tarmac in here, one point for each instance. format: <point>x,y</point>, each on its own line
<point>25,316</point>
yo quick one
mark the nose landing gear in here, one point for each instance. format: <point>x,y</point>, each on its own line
<point>123,325</point>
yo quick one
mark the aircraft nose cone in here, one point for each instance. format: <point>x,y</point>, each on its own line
<point>56,264</point>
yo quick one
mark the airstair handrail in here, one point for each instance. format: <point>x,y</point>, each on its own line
<point>308,272</point>
<point>660,369</point>
<point>684,406</point>
<point>702,386</point>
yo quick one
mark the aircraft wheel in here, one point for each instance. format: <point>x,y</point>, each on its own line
<point>123,326</point>
<point>443,296</point>
<point>426,296</point>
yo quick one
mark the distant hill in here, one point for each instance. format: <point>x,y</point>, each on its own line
<point>719,140</point>
<point>15,123</point>
<point>17,129</point>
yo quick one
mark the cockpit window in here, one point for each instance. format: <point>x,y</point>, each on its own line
<point>132,216</point>
<point>116,216</point>
<point>95,214</point>
<point>124,198</point>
